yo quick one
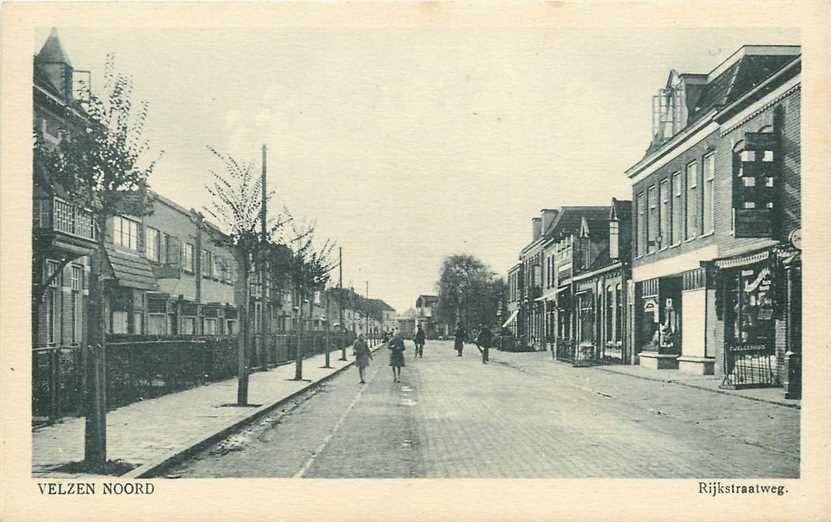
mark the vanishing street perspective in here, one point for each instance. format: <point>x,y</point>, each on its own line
<point>245,317</point>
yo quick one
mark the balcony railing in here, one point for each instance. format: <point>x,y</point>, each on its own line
<point>55,214</point>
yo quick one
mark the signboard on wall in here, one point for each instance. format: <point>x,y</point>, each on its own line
<point>753,222</point>
<point>755,185</point>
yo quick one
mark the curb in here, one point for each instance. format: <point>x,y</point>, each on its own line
<point>705,388</point>
<point>153,468</point>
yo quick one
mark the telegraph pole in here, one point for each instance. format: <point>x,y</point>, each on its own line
<point>264,315</point>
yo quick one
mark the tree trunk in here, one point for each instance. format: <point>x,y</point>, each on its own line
<point>242,341</point>
<point>298,359</point>
<point>93,356</point>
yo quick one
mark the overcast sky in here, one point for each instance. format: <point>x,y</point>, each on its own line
<point>405,146</point>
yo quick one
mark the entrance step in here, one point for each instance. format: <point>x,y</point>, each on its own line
<point>658,361</point>
<point>696,365</point>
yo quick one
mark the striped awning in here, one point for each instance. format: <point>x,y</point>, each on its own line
<point>742,260</point>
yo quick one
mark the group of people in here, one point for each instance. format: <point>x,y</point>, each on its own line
<point>394,341</point>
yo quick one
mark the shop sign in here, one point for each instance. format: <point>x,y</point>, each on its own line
<point>795,238</point>
<point>753,222</point>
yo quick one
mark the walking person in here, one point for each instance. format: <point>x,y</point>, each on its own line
<point>396,346</point>
<point>460,335</point>
<point>419,342</point>
<point>484,341</point>
<point>362,355</point>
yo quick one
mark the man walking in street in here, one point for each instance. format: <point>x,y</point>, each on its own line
<point>484,341</point>
<point>419,342</point>
<point>460,335</point>
<point>396,347</point>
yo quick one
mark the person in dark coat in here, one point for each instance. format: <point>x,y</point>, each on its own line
<point>460,335</point>
<point>362,355</point>
<point>419,342</point>
<point>396,347</point>
<point>484,341</point>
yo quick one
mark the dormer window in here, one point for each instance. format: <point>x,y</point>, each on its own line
<point>614,239</point>
<point>668,114</point>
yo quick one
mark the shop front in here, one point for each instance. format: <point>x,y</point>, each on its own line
<point>659,316</point>
<point>758,298</point>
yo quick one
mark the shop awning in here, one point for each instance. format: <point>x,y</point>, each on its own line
<point>131,271</point>
<point>511,319</point>
<point>742,260</point>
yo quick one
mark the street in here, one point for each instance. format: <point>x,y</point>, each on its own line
<point>521,416</point>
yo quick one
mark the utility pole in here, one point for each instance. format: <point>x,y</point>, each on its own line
<point>340,299</point>
<point>328,328</point>
<point>368,307</point>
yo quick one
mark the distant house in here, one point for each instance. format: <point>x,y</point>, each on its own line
<point>425,307</point>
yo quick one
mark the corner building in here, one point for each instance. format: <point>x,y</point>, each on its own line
<point>716,216</point>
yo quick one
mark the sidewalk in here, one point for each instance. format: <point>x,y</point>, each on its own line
<point>149,432</point>
<point>703,382</point>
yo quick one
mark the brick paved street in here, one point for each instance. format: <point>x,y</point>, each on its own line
<point>523,415</point>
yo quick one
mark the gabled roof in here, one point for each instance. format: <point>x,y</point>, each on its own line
<point>569,218</point>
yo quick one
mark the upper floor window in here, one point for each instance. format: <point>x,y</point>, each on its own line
<point>187,257</point>
<point>692,200</point>
<point>125,233</point>
<point>652,220</point>
<point>664,214</point>
<point>207,263</point>
<point>614,239</point>
<point>708,207</point>
<point>640,244</point>
<point>152,246</point>
<point>677,224</point>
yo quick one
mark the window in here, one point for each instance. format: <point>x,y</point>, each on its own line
<point>614,239</point>
<point>230,326</point>
<point>219,268</point>
<point>152,244</point>
<point>188,324</point>
<point>663,232</point>
<point>125,233</point>
<point>207,263</point>
<point>138,320</point>
<point>677,224</point>
<point>641,210</point>
<point>156,324</point>
<point>707,193</point>
<point>119,323</point>
<point>187,257</point>
<point>652,219</point>
<point>77,304</point>
<point>692,200</point>
<point>210,326</point>
<point>610,315</point>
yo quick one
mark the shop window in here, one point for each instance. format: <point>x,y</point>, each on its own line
<point>586,318</point>
<point>610,314</point>
<point>692,200</point>
<point>677,224</point>
<point>752,298</point>
<point>619,313</point>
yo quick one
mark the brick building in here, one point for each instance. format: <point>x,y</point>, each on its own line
<point>716,199</point>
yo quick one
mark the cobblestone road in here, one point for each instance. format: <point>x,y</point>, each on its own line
<point>522,416</point>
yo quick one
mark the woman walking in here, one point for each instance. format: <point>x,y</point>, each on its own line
<point>419,342</point>
<point>362,356</point>
<point>460,336</point>
<point>396,346</point>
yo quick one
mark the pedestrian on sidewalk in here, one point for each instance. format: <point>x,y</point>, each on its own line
<point>396,346</point>
<point>419,342</point>
<point>484,341</point>
<point>460,335</point>
<point>362,356</point>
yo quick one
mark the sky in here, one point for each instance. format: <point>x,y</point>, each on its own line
<point>405,146</point>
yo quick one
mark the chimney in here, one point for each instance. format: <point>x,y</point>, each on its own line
<point>548,215</point>
<point>536,228</point>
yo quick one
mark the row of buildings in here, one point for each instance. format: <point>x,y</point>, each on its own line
<point>700,270</point>
<point>166,274</point>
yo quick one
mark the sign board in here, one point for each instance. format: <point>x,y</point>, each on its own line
<point>759,141</point>
<point>795,238</point>
<point>753,222</point>
<point>650,306</point>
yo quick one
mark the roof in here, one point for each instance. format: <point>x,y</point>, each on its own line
<point>52,50</point>
<point>569,218</point>
<point>131,271</point>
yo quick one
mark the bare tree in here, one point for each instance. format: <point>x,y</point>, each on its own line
<point>102,168</point>
<point>236,205</point>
